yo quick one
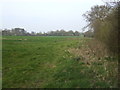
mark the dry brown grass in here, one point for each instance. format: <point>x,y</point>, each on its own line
<point>98,48</point>
<point>93,54</point>
<point>91,51</point>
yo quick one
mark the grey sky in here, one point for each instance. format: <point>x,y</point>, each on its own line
<point>45,15</point>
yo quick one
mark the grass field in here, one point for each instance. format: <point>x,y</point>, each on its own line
<point>54,62</point>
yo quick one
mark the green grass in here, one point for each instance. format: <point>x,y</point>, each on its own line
<point>44,62</point>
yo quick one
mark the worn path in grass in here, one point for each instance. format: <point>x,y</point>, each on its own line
<point>48,62</point>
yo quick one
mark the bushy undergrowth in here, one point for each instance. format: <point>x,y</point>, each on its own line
<point>103,22</point>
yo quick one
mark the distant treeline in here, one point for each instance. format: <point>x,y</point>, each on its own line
<point>23,32</point>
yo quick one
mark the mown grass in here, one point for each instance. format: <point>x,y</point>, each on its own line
<point>47,62</point>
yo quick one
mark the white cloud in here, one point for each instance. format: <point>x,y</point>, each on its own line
<point>45,15</point>
<point>41,0</point>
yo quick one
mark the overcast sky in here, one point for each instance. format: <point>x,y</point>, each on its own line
<point>45,15</point>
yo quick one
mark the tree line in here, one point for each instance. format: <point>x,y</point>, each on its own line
<point>23,32</point>
<point>103,24</point>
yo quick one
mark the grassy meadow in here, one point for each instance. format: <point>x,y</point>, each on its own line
<point>56,62</point>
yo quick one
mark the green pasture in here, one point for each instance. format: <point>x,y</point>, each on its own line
<point>45,62</point>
